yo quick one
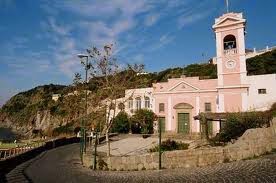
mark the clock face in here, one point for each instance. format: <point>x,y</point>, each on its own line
<point>230,64</point>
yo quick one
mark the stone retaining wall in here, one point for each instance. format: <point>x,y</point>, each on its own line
<point>254,142</point>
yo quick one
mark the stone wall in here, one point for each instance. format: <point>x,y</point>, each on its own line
<point>254,142</point>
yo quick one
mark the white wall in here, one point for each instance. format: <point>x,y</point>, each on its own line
<point>134,93</point>
<point>261,101</point>
<point>142,93</point>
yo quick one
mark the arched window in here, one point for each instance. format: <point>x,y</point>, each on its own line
<point>147,102</point>
<point>138,103</point>
<point>229,42</point>
<point>130,103</point>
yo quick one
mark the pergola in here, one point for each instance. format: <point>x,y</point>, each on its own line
<point>204,118</point>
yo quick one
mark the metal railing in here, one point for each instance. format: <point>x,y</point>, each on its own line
<point>12,152</point>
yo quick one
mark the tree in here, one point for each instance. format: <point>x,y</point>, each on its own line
<point>113,80</point>
<point>144,118</point>
<point>77,80</point>
<point>121,123</point>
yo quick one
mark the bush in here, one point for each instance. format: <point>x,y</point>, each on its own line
<point>170,145</point>
<point>237,123</point>
<point>143,119</point>
<point>121,123</point>
<point>273,109</point>
<point>135,127</point>
<point>66,129</point>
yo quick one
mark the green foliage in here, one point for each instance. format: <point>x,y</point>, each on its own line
<point>144,118</point>
<point>237,123</point>
<point>262,64</point>
<point>170,145</point>
<point>121,123</point>
<point>66,129</point>
<point>273,109</point>
<point>204,71</point>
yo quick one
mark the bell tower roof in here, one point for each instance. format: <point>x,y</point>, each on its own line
<point>229,19</point>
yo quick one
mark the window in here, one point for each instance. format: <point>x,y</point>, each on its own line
<point>147,102</point>
<point>208,107</point>
<point>262,91</point>
<point>161,107</point>
<point>130,103</point>
<point>121,106</point>
<point>138,103</point>
<point>229,42</point>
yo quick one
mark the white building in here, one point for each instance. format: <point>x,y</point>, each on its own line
<point>135,99</point>
<point>55,97</point>
<point>262,91</point>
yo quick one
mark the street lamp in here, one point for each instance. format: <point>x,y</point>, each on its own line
<point>87,66</point>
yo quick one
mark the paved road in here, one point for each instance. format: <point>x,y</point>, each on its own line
<point>62,165</point>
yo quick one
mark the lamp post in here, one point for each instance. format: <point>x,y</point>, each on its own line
<point>87,66</point>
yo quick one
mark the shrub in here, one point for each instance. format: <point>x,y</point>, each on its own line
<point>143,118</point>
<point>135,127</point>
<point>237,123</point>
<point>66,129</point>
<point>121,123</point>
<point>170,145</point>
<point>273,109</point>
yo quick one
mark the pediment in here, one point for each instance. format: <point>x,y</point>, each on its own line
<point>183,86</point>
<point>227,21</point>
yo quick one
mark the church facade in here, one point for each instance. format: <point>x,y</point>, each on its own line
<point>178,100</point>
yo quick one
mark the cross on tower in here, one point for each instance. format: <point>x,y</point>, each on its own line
<point>227,6</point>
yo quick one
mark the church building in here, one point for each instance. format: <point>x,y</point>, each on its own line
<point>178,100</point>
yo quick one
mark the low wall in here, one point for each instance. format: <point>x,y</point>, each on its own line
<point>11,162</point>
<point>254,142</point>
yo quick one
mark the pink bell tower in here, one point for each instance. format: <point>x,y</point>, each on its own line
<point>231,62</point>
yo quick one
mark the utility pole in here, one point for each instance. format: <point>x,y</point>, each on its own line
<point>87,66</point>
<point>160,153</point>
<point>95,152</point>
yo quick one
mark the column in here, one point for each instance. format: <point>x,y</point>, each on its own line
<point>197,112</point>
<point>169,113</point>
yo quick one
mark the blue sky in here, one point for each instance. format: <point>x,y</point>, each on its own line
<point>39,39</point>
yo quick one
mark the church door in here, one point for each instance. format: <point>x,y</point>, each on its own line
<point>183,123</point>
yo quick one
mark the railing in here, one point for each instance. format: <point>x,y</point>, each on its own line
<point>11,152</point>
<point>230,51</point>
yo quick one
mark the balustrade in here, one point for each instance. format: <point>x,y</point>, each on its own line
<point>230,51</point>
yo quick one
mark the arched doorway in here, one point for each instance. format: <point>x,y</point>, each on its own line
<point>184,116</point>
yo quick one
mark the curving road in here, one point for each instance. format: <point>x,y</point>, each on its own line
<point>63,165</point>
